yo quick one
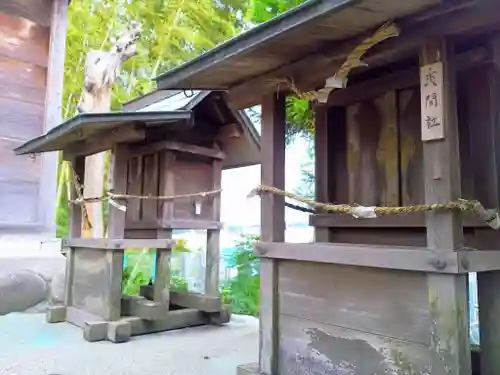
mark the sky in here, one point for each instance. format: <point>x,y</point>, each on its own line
<point>239,210</point>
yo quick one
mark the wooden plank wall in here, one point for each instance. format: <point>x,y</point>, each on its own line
<point>334,319</point>
<point>186,175</point>
<point>24,48</point>
<point>384,154</point>
<point>382,150</point>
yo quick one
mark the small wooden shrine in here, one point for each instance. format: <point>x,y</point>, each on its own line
<point>166,175</point>
<point>406,141</point>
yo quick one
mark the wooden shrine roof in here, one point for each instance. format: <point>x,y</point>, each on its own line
<point>241,151</point>
<point>87,125</point>
<point>310,42</point>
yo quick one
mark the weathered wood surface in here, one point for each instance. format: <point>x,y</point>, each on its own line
<point>24,49</point>
<point>120,244</point>
<point>485,143</point>
<point>272,226</point>
<point>447,293</point>
<point>387,303</point>
<point>175,174</point>
<point>310,70</point>
<point>372,156</point>
<point>315,347</point>
<point>37,11</point>
<point>375,256</point>
<point>53,111</point>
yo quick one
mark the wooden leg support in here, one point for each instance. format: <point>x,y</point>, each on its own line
<point>248,369</point>
<point>56,314</point>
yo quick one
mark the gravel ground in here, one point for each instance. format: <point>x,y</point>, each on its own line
<point>29,346</point>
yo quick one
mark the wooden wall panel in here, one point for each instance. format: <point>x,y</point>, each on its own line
<point>388,303</point>
<point>372,155</point>
<point>24,48</point>
<point>37,11</point>
<point>410,146</point>
<point>22,81</point>
<point>308,347</point>
<point>23,40</point>
<point>20,120</point>
<point>17,167</point>
<point>18,202</point>
<point>192,177</point>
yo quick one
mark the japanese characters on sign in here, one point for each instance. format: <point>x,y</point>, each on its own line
<point>431,93</point>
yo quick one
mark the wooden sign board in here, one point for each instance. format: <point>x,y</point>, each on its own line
<point>432,96</point>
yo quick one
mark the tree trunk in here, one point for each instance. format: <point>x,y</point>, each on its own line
<point>101,70</point>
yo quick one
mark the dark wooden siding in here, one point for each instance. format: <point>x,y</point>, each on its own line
<point>23,69</point>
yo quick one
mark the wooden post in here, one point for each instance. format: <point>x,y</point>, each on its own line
<point>75,224</point>
<point>488,283</point>
<point>450,348</point>
<point>322,172</point>
<point>329,144</point>
<point>116,229</point>
<point>161,286</point>
<point>272,226</point>
<point>53,110</point>
<point>213,239</point>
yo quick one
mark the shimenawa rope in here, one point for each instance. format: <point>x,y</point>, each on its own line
<point>491,217</point>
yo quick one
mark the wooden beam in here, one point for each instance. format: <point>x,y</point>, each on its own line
<point>450,347</point>
<point>272,226</point>
<point>104,141</point>
<point>119,244</point>
<point>324,181</point>
<point>376,256</point>
<point>400,80</point>
<point>196,301</point>
<point>484,262</point>
<point>177,146</point>
<point>414,220</point>
<point>488,283</point>
<point>310,72</point>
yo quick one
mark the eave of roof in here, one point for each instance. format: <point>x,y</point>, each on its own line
<point>300,32</point>
<point>85,125</point>
<point>288,20</point>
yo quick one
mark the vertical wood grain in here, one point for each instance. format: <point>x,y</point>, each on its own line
<point>450,354</point>
<point>272,227</point>
<point>53,111</point>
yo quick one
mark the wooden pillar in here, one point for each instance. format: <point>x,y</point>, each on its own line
<point>161,286</point>
<point>450,348</point>
<point>488,283</point>
<point>116,229</point>
<point>322,165</point>
<point>53,111</point>
<point>75,224</point>
<point>330,160</point>
<point>213,239</point>
<point>272,226</point>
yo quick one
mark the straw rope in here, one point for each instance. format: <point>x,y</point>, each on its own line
<point>114,196</point>
<point>491,217</point>
<point>353,60</point>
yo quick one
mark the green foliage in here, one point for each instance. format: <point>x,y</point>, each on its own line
<point>263,10</point>
<point>308,179</point>
<point>299,113</point>
<point>243,291</point>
